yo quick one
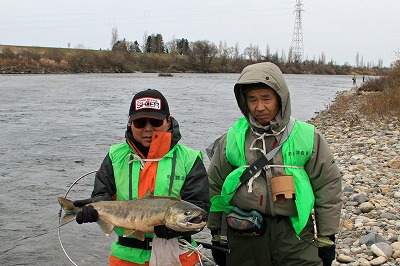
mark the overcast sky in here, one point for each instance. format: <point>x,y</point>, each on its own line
<point>340,29</point>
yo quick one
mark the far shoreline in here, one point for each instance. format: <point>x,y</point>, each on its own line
<point>48,60</point>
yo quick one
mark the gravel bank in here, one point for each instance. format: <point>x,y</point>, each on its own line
<point>368,156</point>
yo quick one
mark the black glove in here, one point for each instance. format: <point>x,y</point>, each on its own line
<point>327,254</point>
<point>219,256</point>
<point>88,214</point>
<point>162,231</point>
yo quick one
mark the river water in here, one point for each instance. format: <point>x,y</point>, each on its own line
<point>56,128</point>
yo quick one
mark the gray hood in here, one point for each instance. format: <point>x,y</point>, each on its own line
<point>270,75</point>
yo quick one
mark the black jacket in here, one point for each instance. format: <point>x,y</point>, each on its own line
<point>194,190</point>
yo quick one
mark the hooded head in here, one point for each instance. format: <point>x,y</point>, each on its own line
<point>264,75</point>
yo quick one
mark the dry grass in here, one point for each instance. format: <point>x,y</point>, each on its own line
<point>377,99</point>
<point>382,104</point>
<point>382,96</point>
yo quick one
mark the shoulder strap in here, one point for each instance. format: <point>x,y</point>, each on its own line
<point>171,180</point>
<point>130,176</point>
<point>264,160</point>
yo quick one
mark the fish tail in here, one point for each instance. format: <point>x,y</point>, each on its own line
<point>69,209</point>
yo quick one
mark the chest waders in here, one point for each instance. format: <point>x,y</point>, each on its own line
<point>172,170</point>
<point>296,151</point>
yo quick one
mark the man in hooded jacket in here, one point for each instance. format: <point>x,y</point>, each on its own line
<point>300,180</point>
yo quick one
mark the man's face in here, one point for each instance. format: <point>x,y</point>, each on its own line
<point>143,130</point>
<point>263,104</point>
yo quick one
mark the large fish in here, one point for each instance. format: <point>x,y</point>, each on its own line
<point>139,217</point>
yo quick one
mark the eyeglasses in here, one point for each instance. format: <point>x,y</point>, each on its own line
<point>141,122</point>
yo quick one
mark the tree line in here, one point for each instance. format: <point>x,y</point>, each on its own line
<point>207,51</point>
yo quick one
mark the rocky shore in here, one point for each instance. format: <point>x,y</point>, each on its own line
<point>368,156</point>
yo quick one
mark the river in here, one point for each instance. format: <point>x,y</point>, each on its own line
<point>55,128</point>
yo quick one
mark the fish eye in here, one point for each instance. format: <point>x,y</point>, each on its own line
<point>187,212</point>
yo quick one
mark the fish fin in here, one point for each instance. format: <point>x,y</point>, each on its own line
<point>69,209</point>
<point>66,204</point>
<point>128,232</point>
<point>105,226</point>
<point>138,234</point>
<point>67,219</point>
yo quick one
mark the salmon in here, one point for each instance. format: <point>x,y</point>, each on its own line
<point>139,217</point>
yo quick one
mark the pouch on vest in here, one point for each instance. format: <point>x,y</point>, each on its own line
<point>282,188</point>
<point>246,223</point>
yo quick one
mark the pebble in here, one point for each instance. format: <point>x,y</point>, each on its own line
<point>382,249</point>
<point>368,155</point>
<point>344,258</point>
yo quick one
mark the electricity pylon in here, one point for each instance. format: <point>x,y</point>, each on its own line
<point>297,40</point>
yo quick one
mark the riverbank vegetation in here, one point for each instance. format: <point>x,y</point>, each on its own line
<point>376,100</point>
<point>127,57</point>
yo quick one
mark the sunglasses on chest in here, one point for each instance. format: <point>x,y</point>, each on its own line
<point>141,122</point>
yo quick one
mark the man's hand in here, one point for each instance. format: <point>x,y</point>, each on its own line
<point>327,254</point>
<point>219,256</point>
<point>326,251</point>
<point>162,231</point>
<point>88,214</point>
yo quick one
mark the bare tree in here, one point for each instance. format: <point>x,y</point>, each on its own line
<point>220,48</point>
<point>248,52</point>
<point>275,57</point>
<point>357,59</point>
<point>237,52</point>
<point>231,52</point>
<point>223,52</point>
<point>171,46</point>
<point>268,54</point>
<point>253,52</point>
<point>283,56</point>
<point>144,45</point>
<point>257,52</point>
<point>380,63</point>
<point>114,36</point>
<point>290,55</point>
<point>203,53</point>
<point>322,59</point>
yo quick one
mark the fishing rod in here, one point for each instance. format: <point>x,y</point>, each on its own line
<point>59,215</point>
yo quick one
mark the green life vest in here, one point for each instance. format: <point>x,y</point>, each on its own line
<point>121,159</point>
<point>296,151</point>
